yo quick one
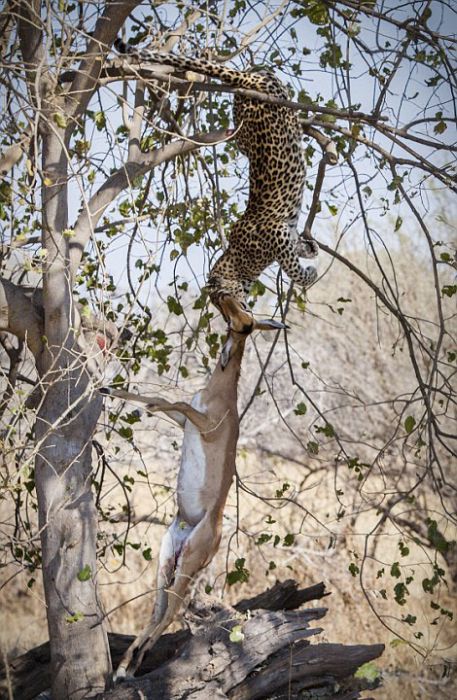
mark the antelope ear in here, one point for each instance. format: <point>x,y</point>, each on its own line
<point>269,324</point>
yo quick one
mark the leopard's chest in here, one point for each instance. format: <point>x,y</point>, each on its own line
<point>270,137</point>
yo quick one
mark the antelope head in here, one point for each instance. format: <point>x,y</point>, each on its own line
<point>238,332</point>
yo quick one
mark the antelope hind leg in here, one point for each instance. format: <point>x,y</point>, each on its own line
<point>183,552</point>
<point>170,548</point>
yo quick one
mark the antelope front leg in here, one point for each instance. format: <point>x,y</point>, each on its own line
<point>178,411</point>
<point>184,551</point>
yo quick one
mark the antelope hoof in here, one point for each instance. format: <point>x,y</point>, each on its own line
<point>121,675</point>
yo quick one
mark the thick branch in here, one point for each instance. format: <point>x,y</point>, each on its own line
<point>14,354</point>
<point>120,71</point>
<point>20,316</point>
<point>30,37</point>
<point>123,177</point>
<point>14,153</point>
<point>105,32</point>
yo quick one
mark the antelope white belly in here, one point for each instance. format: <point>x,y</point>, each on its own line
<point>192,473</point>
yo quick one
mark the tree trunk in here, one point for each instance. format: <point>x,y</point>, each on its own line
<point>80,660</point>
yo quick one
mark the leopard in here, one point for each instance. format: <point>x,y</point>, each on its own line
<point>270,135</point>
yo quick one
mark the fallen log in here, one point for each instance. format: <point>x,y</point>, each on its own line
<point>284,595</point>
<point>252,651</point>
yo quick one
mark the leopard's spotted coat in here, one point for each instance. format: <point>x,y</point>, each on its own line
<point>270,136</point>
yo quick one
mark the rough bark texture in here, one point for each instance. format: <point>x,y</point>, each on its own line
<point>67,411</point>
<point>66,419</point>
<point>275,659</point>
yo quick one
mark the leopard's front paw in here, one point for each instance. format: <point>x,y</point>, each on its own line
<point>310,276</point>
<point>307,248</point>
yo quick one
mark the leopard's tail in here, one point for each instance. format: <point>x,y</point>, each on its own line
<point>252,81</point>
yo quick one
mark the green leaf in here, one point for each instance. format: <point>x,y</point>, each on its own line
<point>174,306</point>
<point>409,619</point>
<point>301,409</point>
<point>317,12</point>
<point>436,538</point>
<point>118,382</point>
<point>147,554</point>
<point>100,120</point>
<point>75,618</point>
<point>85,574</point>
<point>289,539</point>
<point>313,447</point>
<point>368,672</point>
<point>395,570</point>
<point>398,223</point>
<point>264,537</point>
<point>396,643</point>
<point>354,569</point>
<point>126,433</point>
<point>132,417</point>
<point>280,492</point>
<point>410,422</point>
<point>236,635</point>
<point>449,290</point>
<point>404,550</point>
<point>327,429</point>
<point>60,120</point>
<point>400,593</point>
<point>440,127</point>
<point>429,584</point>
<point>240,574</point>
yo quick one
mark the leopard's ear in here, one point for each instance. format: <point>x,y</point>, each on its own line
<point>120,46</point>
<point>269,324</point>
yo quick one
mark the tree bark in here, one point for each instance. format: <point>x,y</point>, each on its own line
<point>66,420</point>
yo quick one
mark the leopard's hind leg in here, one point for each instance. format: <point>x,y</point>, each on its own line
<point>288,253</point>
<point>306,247</point>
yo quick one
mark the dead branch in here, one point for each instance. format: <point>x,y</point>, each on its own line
<point>275,651</point>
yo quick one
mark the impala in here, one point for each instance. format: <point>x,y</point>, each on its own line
<point>211,426</point>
